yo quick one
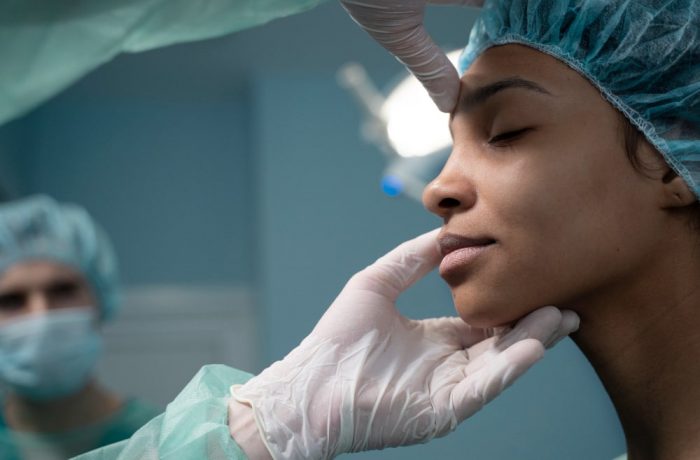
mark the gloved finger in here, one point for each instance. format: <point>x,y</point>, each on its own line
<point>541,324</point>
<point>394,272</point>
<point>482,386</point>
<point>398,27</point>
<point>428,62</point>
<point>453,331</point>
<point>568,325</point>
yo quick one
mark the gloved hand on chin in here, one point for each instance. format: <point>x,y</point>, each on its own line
<point>368,378</point>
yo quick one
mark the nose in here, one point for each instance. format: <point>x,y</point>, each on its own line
<point>451,191</point>
<point>38,302</point>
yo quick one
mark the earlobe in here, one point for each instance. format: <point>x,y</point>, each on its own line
<point>677,193</point>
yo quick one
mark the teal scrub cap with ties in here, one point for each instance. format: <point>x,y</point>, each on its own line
<point>643,56</point>
<point>39,228</point>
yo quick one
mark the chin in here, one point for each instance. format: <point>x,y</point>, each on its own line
<point>485,311</point>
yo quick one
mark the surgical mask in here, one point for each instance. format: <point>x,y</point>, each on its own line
<point>47,356</point>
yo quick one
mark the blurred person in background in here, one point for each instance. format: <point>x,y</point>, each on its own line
<point>58,286</point>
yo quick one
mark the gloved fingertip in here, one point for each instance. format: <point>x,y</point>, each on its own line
<point>570,321</point>
<point>568,324</point>
<point>446,97</point>
<point>526,352</point>
<point>425,248</point>
<point>444,103</point>
<point>398,269</point>
<point>549,310</point>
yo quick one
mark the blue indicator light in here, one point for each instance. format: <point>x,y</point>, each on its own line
<point>392,185</point>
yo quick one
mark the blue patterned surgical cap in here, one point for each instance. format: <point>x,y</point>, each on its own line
<point>643,55</point>
<point>39,228</point>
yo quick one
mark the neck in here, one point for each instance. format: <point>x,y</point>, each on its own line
<point>643,339</point>
<point>91,404</point>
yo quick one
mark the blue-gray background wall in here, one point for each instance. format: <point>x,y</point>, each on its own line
<point>238,161</point>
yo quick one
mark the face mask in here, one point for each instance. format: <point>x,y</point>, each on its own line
<point>49,355</point>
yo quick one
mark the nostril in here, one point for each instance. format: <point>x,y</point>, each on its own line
<point>448,203</point>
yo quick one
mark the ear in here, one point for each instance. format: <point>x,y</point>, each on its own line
<point>676,193</point>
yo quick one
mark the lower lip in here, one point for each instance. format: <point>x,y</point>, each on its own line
<point>460,258</point>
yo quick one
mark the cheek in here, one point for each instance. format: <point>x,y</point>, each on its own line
<point>524,215</point>
<point>563,232</point>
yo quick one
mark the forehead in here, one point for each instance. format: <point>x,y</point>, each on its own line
<point>37,273</point>
<point>507,61</point>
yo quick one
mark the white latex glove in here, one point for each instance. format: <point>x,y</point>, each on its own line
<point>368,378</point>
<point>398,26</point>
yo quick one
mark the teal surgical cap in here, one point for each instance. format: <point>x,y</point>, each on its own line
<point>39,228</point>
<point>643,56</point>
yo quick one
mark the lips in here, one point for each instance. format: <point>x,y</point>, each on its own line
<point>459,254</point>
<point>450,243</point>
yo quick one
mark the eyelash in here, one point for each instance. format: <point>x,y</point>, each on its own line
<point>507,136</point>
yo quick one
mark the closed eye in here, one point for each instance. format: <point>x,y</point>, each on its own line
<point>507,136</point>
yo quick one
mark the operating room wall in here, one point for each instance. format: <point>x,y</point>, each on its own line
<point>11,144</point>
<point>238,162</point>
<point>168,179</point>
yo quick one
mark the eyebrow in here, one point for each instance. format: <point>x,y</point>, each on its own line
<point>469,100</point>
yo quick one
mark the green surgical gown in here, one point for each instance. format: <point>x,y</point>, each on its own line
<point>193,427</point>
<point>20,445</point>
<point>46,45</point>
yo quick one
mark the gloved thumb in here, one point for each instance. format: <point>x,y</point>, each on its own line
<point>397,270</point>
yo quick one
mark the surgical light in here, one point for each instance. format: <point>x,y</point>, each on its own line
<point>406,126</point>
<point>415,127</point>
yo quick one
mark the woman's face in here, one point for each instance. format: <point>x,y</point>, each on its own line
<point>540,187</point>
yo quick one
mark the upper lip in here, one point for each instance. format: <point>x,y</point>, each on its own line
<point>450,242</point>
